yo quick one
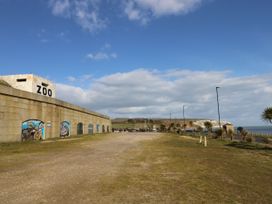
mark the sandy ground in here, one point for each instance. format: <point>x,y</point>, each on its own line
<point>69,176</point>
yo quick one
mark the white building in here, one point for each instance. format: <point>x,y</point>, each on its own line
<point>31,83</point>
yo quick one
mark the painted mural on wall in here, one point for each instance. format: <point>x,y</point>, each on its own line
<point>33,130</point>
<point>65,129</point>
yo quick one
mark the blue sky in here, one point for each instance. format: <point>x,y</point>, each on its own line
<point>79,43</point>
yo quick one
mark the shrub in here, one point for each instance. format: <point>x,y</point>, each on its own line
<point>219,133</point>
<point>249,139</point>
<point>265,140</point>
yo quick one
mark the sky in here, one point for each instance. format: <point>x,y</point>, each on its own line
<point>146,58</point>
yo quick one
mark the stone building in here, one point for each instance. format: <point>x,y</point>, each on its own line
<point>31,83</point>
<point>27,114</point>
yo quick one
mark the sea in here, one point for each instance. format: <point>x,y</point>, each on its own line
<point>262,130</point>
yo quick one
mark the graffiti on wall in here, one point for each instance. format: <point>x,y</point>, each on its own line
<point>65,129</point>
<point>33,130</point>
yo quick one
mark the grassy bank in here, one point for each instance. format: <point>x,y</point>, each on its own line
<point>176,169</point>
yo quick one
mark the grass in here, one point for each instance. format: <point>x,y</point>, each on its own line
<point>14,153</point>
<point>174,169</point>
<point>128,125</point>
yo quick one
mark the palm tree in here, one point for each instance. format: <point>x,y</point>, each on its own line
<point>267,115</point>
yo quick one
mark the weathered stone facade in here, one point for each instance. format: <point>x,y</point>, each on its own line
<point>31,83</point>
<point>18,106</point>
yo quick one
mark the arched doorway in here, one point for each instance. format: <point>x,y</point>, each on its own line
<point>103,128</point>
<point>80,129</point>
<point>90,129</point>
<point>33,129</point>
<point>65,129</point>
<point>97,128</point>
<point>108,129</point>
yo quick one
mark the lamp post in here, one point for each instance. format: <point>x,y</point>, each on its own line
<point>183,111</point>
<point>218,108</point>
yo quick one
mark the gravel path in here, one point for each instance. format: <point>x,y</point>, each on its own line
<point>69,176</point>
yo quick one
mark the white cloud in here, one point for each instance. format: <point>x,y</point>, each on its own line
<point>144,93</point>
<point>87,13</point>
<point>81,79</point>
<point>71,79</point>
<point>143,10</point>
<point>101,56</point>
<point>60,7</point>
<point>83,12</point>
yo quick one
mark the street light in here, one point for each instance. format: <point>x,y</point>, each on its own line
<point>218,108</point>
<point>183,115</point>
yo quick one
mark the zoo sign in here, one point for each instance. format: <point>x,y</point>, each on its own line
<point>43,90</point>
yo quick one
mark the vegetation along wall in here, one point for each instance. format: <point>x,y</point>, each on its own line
<point>28,116</point>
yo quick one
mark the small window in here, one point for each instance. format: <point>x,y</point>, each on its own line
<point>44,84</point>
<point>21,80</point>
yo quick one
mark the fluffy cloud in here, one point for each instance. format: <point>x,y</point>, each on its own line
<point>144,93</point>
<point>83,12</point>
<point>143,10</point>
<point>87,12</point>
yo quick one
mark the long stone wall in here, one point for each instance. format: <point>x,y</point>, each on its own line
<point>18,107</point>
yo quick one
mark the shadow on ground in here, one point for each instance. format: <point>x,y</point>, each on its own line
<point>249,146</point>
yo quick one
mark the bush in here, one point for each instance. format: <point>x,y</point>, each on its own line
<point>219,133</point>
<point>265,140</point>
<point>249,139</point>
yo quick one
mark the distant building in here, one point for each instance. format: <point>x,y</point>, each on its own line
<point>31,83</point>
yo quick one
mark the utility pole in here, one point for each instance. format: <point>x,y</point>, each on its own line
<point>218,108</point>
<point>183,111</point>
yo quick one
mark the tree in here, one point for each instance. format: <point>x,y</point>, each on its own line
<point>267,115</point>
<point>162,127</point>
<point>242,132</point>
<point>208,125</point>
<point>240,129</point>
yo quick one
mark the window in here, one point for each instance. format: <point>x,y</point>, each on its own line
<point>21,80</point>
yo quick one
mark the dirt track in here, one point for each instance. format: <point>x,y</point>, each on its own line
<point>69,176</point>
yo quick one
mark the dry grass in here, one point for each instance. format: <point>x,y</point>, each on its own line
<point>14,153</point>
<point>173,169</point>
<point>164,169</point>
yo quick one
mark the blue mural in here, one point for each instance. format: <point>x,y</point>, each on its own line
<point>65,129</point>
<point>33,130</point>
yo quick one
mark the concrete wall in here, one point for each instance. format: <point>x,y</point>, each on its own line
<point>33,83</point>
<point>17,106</point>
